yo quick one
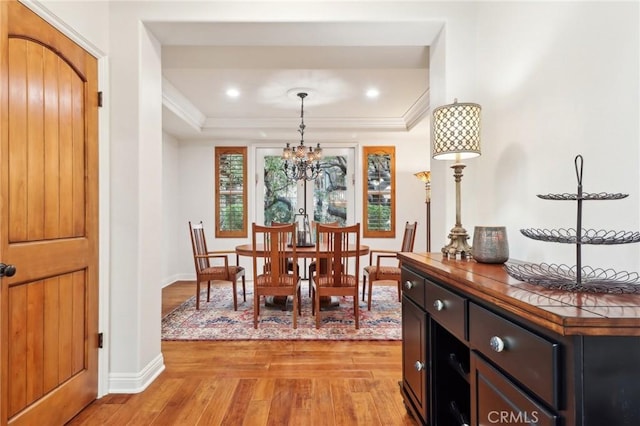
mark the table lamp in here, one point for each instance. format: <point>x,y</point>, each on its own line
<point>455,132</point>
<point>425,176</point>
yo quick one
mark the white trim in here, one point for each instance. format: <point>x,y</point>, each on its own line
<point>372,124</point>
<point>136,383</point>
<point>177,103</point>
<point>178,277</point>
<point>104,259</point>
<point>63,27</point>
<point>419,110</point>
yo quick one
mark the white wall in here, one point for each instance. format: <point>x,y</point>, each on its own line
<point>196,199</point>
<point>150,219</point>
<point>173,228</point>
<point>554,79</point>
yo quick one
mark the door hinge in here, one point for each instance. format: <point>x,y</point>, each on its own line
<point>100,340</point>
<point>100,99</point>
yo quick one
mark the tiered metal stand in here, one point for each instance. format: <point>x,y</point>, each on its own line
<point>578,278</point>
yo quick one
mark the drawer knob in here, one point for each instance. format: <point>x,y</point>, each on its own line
<point>419,366</point>
<point>496,343</point>
<point>438,304</point>
<point>408,285</point>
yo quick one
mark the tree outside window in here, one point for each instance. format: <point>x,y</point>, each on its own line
<point>327,203</point>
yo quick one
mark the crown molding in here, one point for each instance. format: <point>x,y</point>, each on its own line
<point>417,111</point>
<point>177,103</point>
<point>264,129</point>
<point>363,124</point>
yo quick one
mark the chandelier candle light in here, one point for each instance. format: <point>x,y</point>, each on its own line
<point>426,178</point>
<point>300,163</point>
<point>456,136</point>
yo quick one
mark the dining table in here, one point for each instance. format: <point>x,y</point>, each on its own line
<point>304,252</point>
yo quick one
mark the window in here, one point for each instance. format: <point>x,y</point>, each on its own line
<point>379,187</point>
<point>329,198</point>
<point>231,192</point>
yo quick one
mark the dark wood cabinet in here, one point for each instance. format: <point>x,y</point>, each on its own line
<point>415,361</point>
<point>529,358</point>
<point>481,348</point>
<point>433,321</point>
<point>496,400</point>
<point>415,335</point>
<point>450,372</point>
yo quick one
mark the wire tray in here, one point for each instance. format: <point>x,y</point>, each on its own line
<point>578,278</point>
<point>583,196</point>
<point>563,277</point>
<point>588,236</point>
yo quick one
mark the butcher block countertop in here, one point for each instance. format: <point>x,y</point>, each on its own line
<point>563,312</point>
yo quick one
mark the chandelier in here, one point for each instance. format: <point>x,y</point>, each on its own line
<point>301,163</point>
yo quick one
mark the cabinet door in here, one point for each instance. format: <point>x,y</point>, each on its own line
<point>497,400</point>
<point>415,365</point>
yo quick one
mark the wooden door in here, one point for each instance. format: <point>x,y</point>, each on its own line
<point>48,222</point>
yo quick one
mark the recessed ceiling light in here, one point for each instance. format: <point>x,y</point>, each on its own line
<point>233,93</point>
<point>373,93</point>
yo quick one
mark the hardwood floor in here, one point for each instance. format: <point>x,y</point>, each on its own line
<point>262,383</point>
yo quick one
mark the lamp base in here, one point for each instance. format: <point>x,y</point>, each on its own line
<point>458,244</point>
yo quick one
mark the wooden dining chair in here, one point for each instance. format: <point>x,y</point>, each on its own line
<point>214,265</point>
<point>312,264</point>
<point>290,263</point>
<point>390,270</point>
<point>271,251</point>
<point>340,278</point>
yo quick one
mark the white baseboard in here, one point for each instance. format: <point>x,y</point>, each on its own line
<point>136,382</point>
<point>178,277</point>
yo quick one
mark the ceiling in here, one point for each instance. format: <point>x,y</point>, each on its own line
<point>269,63</point>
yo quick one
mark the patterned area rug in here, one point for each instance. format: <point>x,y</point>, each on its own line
<point>216,320</point>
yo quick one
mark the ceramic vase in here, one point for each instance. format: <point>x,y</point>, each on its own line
<point>490,244</point>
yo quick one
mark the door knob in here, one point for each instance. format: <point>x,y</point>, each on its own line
<point>7,270</point>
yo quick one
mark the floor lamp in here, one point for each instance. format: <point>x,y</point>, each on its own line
<point>426,178</point>
<point>455,133</point>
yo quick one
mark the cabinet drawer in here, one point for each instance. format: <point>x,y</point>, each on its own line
<point>413,286</point>
<point>528,357</point>
<point>447,308</point>
<point>499,401</point>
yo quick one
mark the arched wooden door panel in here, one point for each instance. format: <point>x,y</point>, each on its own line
<point>48,222</point>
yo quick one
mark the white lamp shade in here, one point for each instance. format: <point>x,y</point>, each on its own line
<point>455,131</point>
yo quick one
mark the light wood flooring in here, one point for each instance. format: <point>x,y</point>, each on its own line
<point>262,383</point>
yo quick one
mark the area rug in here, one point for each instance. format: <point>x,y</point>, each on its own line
<point>216,320</point>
